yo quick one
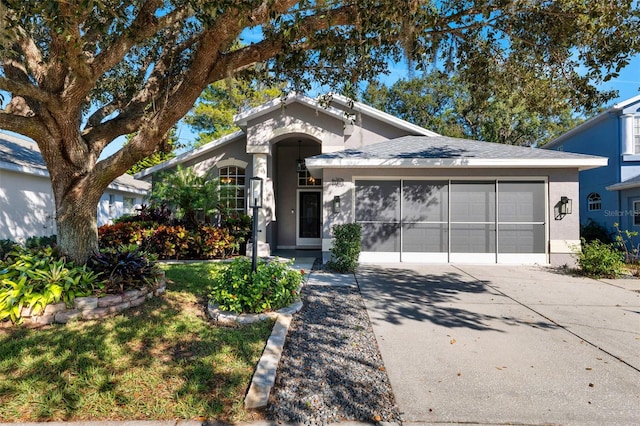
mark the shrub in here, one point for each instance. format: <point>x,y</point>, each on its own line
<point>595,231</point>
<point>36,278</point>
<point>170,242</point>
<point>273,286</point>
<point>212,243</point>
<point>597,259</point>
<point>41,242</point>
<point>157,213</point>
<point>125,233</point>
<point>6,246</point>
<point>238,225</point>
<point>125,268</point>
<point>346,247</point>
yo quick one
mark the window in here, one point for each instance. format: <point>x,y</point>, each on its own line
<point>594,202</point>
<point>636,135</point>
<point>636,213</point>
<point>305,179</point>
<point>129,204</point>
<point>232,187</point>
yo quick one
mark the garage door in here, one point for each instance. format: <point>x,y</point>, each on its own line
<point>501,221</point>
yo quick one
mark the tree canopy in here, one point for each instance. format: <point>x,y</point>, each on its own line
<point>448,105</point>
<point>77,74</point>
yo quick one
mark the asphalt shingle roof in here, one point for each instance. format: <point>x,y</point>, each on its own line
<point>25,155</point>
<point>444,147</point>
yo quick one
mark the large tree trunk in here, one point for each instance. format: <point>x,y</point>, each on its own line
<point>77,229</point>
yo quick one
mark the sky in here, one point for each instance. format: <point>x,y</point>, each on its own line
<point>627,84</point>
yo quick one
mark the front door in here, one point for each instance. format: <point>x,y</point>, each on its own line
<point>309,220</point>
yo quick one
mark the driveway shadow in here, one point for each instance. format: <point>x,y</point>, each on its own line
<point>447,299</point>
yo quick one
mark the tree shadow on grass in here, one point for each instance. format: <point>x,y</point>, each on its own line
<point>143,363</point>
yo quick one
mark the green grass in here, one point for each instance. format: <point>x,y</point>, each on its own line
<point>163,360</point>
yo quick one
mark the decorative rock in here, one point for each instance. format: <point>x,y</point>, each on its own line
<point>56,307</point>
<point>97,313</point>
<point>160,290</point>
<point>119,307</point>
<point>139,301</point>
<point>67,315</point>
<point>109,300</point>
<point>43,319</point>
<point>85,303</point>
<point>133,294</point>
<point>230,318</point>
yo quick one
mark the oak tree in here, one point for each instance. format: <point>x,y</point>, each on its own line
<point>77,74</point>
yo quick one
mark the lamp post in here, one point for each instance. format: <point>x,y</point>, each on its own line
<point>255,202</point>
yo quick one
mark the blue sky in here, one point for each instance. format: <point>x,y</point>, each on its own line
<point>627,84</point>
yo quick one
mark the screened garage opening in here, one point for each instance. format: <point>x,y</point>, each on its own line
<point>458,221</point>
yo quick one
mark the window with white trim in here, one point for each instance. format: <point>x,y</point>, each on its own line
<point>305,179</point>
<point>232,194</point>
<point>594,202</point>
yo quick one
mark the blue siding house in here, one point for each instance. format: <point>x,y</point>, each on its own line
<point>609,194</point>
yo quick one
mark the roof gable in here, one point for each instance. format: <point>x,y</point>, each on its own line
<point>345,109</point>
<point>616,109</point>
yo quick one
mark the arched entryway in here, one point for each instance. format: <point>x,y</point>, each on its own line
<point>298,195</point>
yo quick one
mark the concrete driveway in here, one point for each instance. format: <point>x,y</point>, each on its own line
<point>505,344</point>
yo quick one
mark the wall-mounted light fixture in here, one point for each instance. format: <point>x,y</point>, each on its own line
<point>566,205</point>
<point>335,205</point>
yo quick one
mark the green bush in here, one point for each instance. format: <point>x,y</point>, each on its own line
<point>41,242</point>
<point>346,247</point>
<point>36,278</point>
<point>125,268</point>
<point>273,286</point>
<point>597,260</point>
<point>595,231</point>
<point>212,243</point>
<point>6,246</point>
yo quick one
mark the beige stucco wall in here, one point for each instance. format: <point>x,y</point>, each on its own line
<point>563,232</point>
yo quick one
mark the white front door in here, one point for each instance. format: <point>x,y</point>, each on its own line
<point>309,218</point>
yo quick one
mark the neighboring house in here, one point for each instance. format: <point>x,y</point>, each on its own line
<point>27,206</point>
<point>609,194</point>
<point>419,196</point>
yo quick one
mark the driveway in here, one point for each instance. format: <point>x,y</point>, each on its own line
<point>503,344</point>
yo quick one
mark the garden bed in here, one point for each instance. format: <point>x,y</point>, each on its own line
<point>93,307</point>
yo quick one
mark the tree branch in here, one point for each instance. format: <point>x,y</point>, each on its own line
<point>26,126</point>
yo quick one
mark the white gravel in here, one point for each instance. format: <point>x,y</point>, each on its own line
<point>331,369</point>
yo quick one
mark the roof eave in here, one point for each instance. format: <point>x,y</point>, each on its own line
<point>580,164</point>
<point>179,159</point>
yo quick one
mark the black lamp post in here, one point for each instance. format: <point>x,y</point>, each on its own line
<point>255,202</point>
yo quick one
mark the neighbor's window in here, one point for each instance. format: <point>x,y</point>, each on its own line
<point>636,134</point>
<point>128,204</point>
<point>594,202</point>
<point>232,197</point>
<point>636,213</point>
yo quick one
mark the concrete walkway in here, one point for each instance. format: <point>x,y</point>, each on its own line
<point>501,345</point>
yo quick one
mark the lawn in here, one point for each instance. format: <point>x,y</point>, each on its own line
<point>163,360</point>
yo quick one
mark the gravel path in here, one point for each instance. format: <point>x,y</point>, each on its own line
<point>331,369</point>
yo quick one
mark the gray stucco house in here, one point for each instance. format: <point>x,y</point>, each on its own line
<point>419,196</point>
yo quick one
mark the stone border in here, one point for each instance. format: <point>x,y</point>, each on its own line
<point>230,318</point>
<point>93,307</point>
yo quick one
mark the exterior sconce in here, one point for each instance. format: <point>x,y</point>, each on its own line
<point>255,192</point>
<point>335,205</point>
<point>565,206</point>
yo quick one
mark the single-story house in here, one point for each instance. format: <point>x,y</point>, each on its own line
<point>27,206</point>
<point>419,196</point>
<point>609,194</point>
